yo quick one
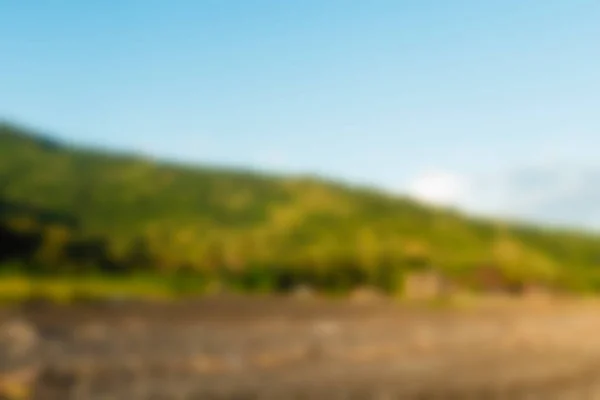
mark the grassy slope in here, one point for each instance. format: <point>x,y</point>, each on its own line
<point>192,215</point>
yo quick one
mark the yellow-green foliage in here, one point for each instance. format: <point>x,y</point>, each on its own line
<point>71,210</point>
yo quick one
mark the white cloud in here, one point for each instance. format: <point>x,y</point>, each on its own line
<point>550,194</point>
<point>438,187</point>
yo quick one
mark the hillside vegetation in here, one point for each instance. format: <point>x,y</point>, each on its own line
<point>75,211</point>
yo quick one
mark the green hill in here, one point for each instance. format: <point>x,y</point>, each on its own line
<point>68,210</point>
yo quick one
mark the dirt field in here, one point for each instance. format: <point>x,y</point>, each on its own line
<point>275,348</point>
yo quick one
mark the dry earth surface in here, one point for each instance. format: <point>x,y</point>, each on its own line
<point>282,348</point>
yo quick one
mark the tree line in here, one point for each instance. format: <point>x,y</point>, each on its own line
<point>67,210</point>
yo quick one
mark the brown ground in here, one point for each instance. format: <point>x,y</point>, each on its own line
<point>275,348</point>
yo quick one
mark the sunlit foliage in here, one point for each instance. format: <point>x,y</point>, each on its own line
<point>81,211</point>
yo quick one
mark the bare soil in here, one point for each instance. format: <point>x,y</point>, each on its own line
<point>282,348</point>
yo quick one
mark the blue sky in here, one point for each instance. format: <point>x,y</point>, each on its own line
<point>450,101</point>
